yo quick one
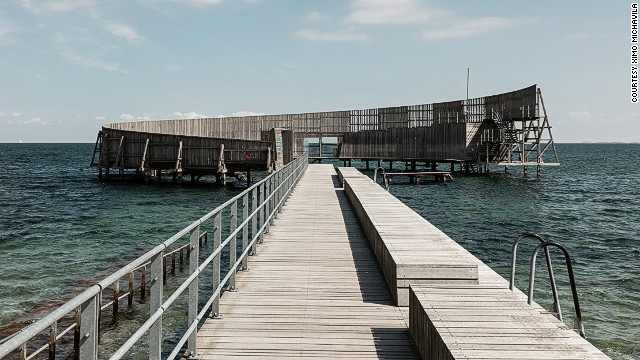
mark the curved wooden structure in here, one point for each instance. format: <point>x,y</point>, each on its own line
<point>505,129</point>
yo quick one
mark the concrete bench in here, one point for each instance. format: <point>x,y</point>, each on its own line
<point>488,322</point>
<point>409,249</point>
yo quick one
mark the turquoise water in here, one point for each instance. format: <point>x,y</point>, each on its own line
<point>59,225</point>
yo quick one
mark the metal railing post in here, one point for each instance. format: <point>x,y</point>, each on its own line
<point>262,206</point>
<point>254,219</point>
<point>233,247</point>
<point>245,229</point>
<point>89,310</point>
<point>155,295</point>
<point>269,198</point>
<point>217,229</point>
<point>276,198</point>
<point>194,243</point>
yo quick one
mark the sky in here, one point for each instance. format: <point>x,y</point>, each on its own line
<point>69,66</point>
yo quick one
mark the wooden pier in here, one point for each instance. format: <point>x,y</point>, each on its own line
<point>346,270</point>
<point>313,290</point>
<point>339,287</point>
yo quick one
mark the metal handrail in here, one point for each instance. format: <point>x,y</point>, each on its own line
<point>577,324</point>
<point>268,197</point>
<point>555,307</point>
<point>384,178</point>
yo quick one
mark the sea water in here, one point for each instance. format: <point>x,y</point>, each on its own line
<point>60,225</point>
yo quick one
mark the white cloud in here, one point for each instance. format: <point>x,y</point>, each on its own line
<point>35,120</point>
<point>461,28</point>
<point>205,2</point>
<point>246,113</point>
<point>27,4</point>
<point>201,3</point>
<point>16,114</point>
<point>93,63</point>
<point>101,118</point>
<point>188,115</point>
<point>67,5</point>
<point>332,36</point>
<point>128,117</point>
<point>578,36</point>
<point>316,16</point>
<point>124,31</point>
<point>391,12</point>
<point>172,68</point>
<point>582,115</point>
<point>6,30</point>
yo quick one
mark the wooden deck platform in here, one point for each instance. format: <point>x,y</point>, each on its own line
<point>314,290</point>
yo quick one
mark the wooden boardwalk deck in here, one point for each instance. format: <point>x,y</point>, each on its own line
<point>314,290</point>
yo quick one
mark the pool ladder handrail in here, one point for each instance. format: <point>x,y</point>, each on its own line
<point>555,307</point>
<point>384,177</point>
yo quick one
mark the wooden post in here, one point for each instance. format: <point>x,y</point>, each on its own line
<point>76,336</point>
<point>164,270</point>
<point>116,301</point>
<point>53,334</point>
<point>143,283</point>
<point>130,296</point>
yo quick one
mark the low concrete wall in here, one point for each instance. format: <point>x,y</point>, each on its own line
<point>459,308</point>
<point>409,249</point>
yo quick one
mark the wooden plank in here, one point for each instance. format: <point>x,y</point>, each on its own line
<point>314,290</point>
<point>489,321</point>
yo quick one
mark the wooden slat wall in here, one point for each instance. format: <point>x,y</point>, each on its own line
<point>197,152</point>
<point>447,141</point>
<point>424,131</point>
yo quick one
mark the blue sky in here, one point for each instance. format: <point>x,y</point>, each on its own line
<point>69,66</point>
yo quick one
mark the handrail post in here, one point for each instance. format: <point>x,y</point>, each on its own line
<point>262,207</point>
<point>53,334</point>
<point>254,219</point>
<point>269,198</point>
<point>116,300</point>
<point>276,196</point>
<point>89,328</point>
<point>76,336</point>
<point>233,247</point>
<point>155,295</point>
<point>130,295</point>
<point>217,229</point>
<point>194,243</point>
<point>245,229</point>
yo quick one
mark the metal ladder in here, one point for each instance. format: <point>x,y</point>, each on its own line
<point>384,178</point>
<point>555,306</point>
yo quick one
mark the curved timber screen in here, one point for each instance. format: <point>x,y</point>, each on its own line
<point>504,129</point>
